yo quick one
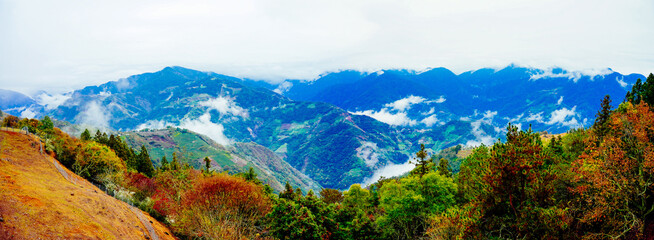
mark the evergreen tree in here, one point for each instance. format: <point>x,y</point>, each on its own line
<point>601,124</point>
<point>174,165</point>
<point>642,91</point>
<point>86,135</point>
<point>164,164</point>
<point>422,163</point>
<point>207,164</point>
<point>444,168</point>
<point>288,192</point>
<point>144,163</point>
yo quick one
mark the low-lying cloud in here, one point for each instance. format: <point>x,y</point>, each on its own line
<point>204,126</point>
<point>368,152</point>
<point>572,75</point>
<point>51,102</point>
<point>95,115</point>
<point>405,103</point>
<point>395,119</point>
<point>225,106</point>
<point>481,137</point>
<point>390,170</point>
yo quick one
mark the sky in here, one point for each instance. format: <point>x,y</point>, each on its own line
<point>59,46</point>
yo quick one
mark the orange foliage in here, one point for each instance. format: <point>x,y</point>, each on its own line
<point>215,207</point>
<point>615,177</point>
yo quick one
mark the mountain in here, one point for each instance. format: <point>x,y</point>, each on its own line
<point>553,100</point>
<point>342,127</point>
<point>239,157</point>
<point>10,99</point>
<point>38,202</point>
<point>328,144</point>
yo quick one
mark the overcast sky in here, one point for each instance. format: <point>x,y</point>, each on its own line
<point>63,45</point>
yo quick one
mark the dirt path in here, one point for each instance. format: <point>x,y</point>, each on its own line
<point>145,222</point>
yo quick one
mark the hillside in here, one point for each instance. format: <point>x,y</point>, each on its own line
<point>37,202</point>
<point>193,148</point>
<point>343,127</point>
<point>553,99</point>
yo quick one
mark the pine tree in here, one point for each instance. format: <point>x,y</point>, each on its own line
<point>642,91</point>
<point>207,164</point>
<point>174,165</point>
<point>288,192</point>
<point>144,163</point>
<point>444,168</point>
<point>601,124</point>
<point>164,164</point>
<point>86,135</point>
<point>421,165</point>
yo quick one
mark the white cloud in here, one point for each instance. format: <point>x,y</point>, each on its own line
<point>572,75</point>
<point>431,110</point>
<point>561,116</point>
<point>395,119</point>
<point>61,45</point>
<point>621,81</point>
<point>538,117</point>
<point>283,87</point>
<point>94,115</point>
<point>559,101</point>
<point>154,124</point>
<point>225,106</point>
<point>51,101</point>
<point>390,170</point>
<point>368,152</point>
<point>27,113</point>
<point>430,121</point>
<point>204,126</point>
<point>481,137</point>
<point>405,103</point>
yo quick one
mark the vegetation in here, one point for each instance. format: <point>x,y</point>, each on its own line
<point>595,183</point>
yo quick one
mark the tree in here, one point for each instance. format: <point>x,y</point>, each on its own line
<point>444,168</point>
<point>615,178</point>
<point>642,91</point>
<point>10,121</point>
<point>408,204</point>
<point>174,165</point>
<point>86,135</point>
<point>510,190</point>
<point>101,137</point>
<point>330,196</point>
<point>602,118</point>
<point>164,163</point>
<point>46,124</point>
<point>422,162</point>
<point>207,164</point>
<point>144,162</point>
<point>251,176</point>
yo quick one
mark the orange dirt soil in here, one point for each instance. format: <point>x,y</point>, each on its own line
<point>37,202</point>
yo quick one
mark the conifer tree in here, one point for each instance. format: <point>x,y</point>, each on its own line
<point>444,168</point>
<point>207,164</point>
<point>164,163</point>
<point>174,165</point>
<point>86,135</point>
<point>421,156</point>
<point>144,163</point>
<point>601,124</point>
<point>288,192</point>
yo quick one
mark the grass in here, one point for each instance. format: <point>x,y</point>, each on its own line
<point>36,202</point>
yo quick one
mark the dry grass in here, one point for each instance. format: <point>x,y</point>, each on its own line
<point>36,202</point>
